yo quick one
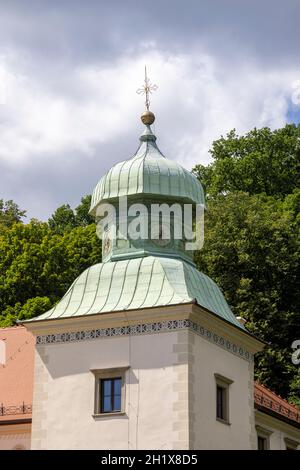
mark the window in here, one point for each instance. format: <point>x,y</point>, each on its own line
<point>222,398</point>
<point>262,443</point>
<point>221,402</point>
<point>263,438</point>
<point>109,391</point>
<point>290,444</point>
<point>110,395</point>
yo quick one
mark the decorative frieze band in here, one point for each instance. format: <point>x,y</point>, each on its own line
<point>146,328</point>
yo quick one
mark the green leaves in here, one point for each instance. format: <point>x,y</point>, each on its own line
<point>262,161</point>
<point>10,214</point>
<point>251,250</point>
<point>37,263</point>
<point>251,244</point>
<point>64,218</point>
<point>31,308</point>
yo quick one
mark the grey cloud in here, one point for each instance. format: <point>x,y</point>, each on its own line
<point>75,31</point>
<point>59,179</point>
<point>55,38</point>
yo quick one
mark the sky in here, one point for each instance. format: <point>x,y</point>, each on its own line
<point>69,71</point>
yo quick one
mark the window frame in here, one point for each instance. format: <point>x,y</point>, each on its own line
<point>290,444</point>
<point>263,434</point>
<point>264,439</point>
<point>108,374</point>
<point>224,384</point>
<point>112,395</point>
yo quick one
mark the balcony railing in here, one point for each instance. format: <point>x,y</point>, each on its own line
<point>15,409</point>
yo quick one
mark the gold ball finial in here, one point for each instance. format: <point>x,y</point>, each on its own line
<point>147,118</point>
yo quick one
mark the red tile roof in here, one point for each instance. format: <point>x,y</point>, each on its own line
<point>16,373</point>
<point>268,401</point>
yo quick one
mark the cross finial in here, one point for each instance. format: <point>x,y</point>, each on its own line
<point>147,89</point>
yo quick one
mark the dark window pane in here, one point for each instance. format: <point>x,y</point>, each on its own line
<point>261,443</point>
<point>111,391</point>
<point>106,405</point>
<point>220,402</point>
<point>106,387</point>
<point>117,386</point>
<point>117,403</point>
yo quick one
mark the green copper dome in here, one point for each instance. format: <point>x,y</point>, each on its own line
<point>138,274</point>
<point>148,172</point>
<point>140,283</point>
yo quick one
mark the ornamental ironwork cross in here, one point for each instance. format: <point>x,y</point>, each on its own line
<point>147,88</point>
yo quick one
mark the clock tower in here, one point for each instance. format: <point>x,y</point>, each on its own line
<point>143,351</point>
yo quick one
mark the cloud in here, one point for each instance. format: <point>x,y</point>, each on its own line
<point>194,104</point>
<point>68,107</point>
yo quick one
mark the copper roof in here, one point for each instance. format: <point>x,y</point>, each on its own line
<point>139,283</point>
<point>148,172</point>
<point>16,373</point>
<point>268,401</point>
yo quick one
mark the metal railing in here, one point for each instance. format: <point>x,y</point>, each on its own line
<point>15,409</point>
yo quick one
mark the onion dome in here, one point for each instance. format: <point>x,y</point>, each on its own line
<point>148,172</point>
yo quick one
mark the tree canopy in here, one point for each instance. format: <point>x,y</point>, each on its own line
<point>39,261</point>
<point>262,161</point>
<point>251,242</point>
<point>10,213</point>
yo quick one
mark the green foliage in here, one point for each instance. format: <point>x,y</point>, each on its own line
<point>82,211</point>
<point>251,250</point>
<point>251,244</point>
<point>65,218</point>
<point>262,161</point>
<point>36,262</point>
<point>31,308</point>
<point>10,213</point>
<point>62,219</point>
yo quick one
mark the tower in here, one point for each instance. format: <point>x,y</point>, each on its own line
<point>143,351</point>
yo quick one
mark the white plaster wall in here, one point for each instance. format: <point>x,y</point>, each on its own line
<point>64,394</point>
<point>11,441</point>
<point>208,432</point>
<point>277,439</point>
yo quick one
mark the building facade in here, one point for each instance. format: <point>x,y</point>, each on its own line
<point>16,387</point>
<point>143,351</point>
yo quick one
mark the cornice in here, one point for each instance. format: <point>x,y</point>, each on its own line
<point>268,418</point>
<point>148,321</point>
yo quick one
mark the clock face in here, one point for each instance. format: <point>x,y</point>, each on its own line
<point>163,232</point>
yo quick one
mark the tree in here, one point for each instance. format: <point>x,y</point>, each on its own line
<point>65,218</point>
<point>251,250</point>
<point>31,308</point>
<point>262,161</point>
<point>62,219</point>
<point>83,217</point>
<point>37,262</point>
<point>10,213</point>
